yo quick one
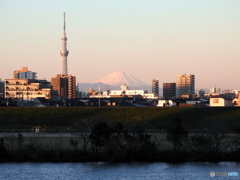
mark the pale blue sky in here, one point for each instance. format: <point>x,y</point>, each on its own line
<point>148,39</point>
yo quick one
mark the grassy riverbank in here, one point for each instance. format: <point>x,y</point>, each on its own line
<point>149,117</point>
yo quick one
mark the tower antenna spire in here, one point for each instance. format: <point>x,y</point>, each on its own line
<point>64,26</point>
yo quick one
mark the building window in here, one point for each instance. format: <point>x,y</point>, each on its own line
<point>215,101</point>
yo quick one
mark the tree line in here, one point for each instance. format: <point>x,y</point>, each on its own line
<point>99,141</point>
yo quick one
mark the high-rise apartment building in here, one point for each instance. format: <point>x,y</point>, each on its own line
<point>1,88</point>
<point>28,89</point>
<point>169,90</point>
<point>185,84</point>
<point>155,87</point>
<point>24,74</point>
<point>65,85</point>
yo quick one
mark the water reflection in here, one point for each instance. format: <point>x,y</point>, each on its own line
<point>122,171</point>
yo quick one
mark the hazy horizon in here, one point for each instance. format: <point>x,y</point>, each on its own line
<point>148,39</point>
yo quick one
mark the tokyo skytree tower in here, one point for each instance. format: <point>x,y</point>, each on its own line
<point>64,52</point>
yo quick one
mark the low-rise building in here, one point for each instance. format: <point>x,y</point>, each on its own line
<point>123,92</point>
<point>221,100</point>
<point>167,103</point>
<point>127,92</point>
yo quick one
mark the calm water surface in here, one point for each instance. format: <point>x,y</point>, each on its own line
<point>122,171</point>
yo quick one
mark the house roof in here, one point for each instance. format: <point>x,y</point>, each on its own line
<point>226,97</point>
<point>90,102</point>
<point>47,102</point>
<point>173,100</point>
<point>185,105</point>
<point>123,103</point>
<point>104,101</point>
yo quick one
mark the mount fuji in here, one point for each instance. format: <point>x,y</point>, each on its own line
<point>120,77</point>
<point>113,82</point>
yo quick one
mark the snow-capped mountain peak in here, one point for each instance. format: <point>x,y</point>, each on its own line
<point>120,77</point>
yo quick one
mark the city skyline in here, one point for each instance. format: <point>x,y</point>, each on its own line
<point>149,40</point>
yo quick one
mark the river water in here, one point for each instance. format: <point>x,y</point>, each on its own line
<point>121,171</point>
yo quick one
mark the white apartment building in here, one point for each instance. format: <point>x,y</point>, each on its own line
<point>124,91</point>
<point>24,74</point>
